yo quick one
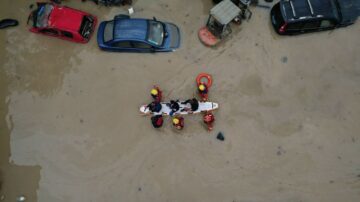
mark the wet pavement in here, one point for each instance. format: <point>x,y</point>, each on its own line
<point>289,111</point>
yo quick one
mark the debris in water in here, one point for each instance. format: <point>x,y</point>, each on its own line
<point>131,10</point>
<point>8,23</point>
<point>2,197</point>
<point>220,136</point>
<point>284,59</point>
<point>280,151</point>
<point>139,189</point>
<point>21,198</point>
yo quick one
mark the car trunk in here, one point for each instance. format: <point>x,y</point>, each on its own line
<point>277,18</point>
<point>174,35</point>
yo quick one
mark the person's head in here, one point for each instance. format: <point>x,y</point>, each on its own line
<point>202,87</point>
<point>154,92</point>
<point>176,121</point>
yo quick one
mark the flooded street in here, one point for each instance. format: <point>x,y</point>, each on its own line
<point>71,130</point>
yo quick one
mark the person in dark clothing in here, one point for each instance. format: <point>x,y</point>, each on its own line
<point>174,105</point>
<point>155,107</point>
<point>157,121</point>
<point>194,103</point>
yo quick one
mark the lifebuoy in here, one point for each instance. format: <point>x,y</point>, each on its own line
<point>207,37</point>
<point>201,76</point>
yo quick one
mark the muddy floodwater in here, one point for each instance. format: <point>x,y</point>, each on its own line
<point>70,128</point>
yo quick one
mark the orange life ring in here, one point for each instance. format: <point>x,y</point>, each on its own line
<point>207,37</point>
<point>201,76</point>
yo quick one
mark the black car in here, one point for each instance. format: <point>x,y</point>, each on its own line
<point>300,16</point>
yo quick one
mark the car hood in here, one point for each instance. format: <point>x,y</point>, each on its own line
<point>172,40</point>
<point>66,18</point>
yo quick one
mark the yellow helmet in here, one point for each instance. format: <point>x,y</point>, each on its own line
<point>176,121</point>
<point>201,87</point>
<point>154,92</point>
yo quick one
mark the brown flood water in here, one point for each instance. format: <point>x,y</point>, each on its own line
<point>289,110</point>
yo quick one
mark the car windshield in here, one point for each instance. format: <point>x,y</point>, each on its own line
<point>42,15</point>
<point>156,33</point>
<point>109,31</point>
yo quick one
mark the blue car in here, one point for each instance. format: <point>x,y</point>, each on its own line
<point>125,34</point>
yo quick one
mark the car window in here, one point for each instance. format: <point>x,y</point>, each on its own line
<point>141,45</point>
<point>311,25</point>
<point>295,26</point>
<point>109,31</point>
<point>49,31</point>
<point>122,44</point>
<point>67,34</point>
<point>155,33</point>
<point>326,23</point>
<point>42,15</point>
<point>86,27</point>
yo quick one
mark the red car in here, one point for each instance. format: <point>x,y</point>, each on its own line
<point>63,22</point>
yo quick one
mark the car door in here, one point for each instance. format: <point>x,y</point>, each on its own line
<point>125,46</point>
<point>294,27</point>
<point>142,46</point>
<point>67,35</point>
<point>49,32</point>
<point>311,25</point>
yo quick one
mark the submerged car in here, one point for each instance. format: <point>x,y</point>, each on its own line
<point>125,34</point>
<point>62,22</point>
<point>290,17</point>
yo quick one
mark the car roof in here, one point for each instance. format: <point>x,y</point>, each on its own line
<point>130,29</point>
<point>293,10</point>
<point>225,11</point>
<point>66,18</point>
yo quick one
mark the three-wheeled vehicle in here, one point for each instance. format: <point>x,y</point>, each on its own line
<point>218,23</point>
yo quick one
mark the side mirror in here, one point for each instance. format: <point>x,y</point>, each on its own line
<point>154,18</point>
